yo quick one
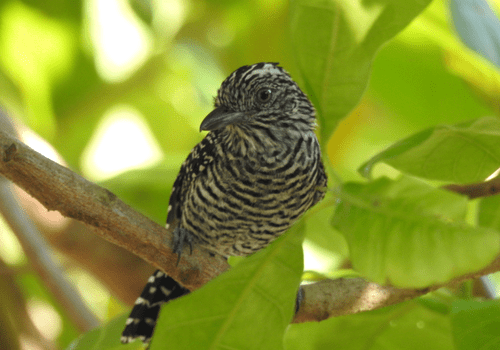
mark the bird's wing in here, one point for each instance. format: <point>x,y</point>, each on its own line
<point>194,166</point>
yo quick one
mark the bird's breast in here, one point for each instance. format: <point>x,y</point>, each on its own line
<point>241,203</point>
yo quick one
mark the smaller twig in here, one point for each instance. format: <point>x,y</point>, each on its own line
<point>346,296</point>
<point>476,190</point>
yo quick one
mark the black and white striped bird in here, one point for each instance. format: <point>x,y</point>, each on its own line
<point>255,173</point>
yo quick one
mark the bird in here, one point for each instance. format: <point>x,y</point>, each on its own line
<point>258,169</point>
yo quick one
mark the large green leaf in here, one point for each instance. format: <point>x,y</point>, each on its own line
<point>409,234</point>
<point>463,153</point>
<point>335,42</point>
<point>248,307</point>
<point>475,325</point>
<point>407,326</point>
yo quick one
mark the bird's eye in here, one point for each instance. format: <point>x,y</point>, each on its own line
<point>264,95</point>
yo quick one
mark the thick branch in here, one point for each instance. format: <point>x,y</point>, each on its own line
<point>58,188</point>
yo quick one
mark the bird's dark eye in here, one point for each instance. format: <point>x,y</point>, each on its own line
<point>264,95</point>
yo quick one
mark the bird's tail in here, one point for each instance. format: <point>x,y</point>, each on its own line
<point>160,289</point>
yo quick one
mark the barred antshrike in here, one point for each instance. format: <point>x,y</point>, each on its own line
<point>255,173</point>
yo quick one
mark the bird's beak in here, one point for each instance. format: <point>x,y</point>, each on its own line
<point>220,118</point>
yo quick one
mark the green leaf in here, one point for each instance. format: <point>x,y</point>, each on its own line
<point>394,150</point>
<point>409,234</point>
<point>407,326</point>
<point>463,153</point>
<point>335,42</point>
<point>475,324</point>
<point>248,307</point>
<point>489,212</point>
<point>106,337</point>
<point>437,305</point>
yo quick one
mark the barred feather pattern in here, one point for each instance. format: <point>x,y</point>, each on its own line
<point>254,174</point>
<point>142,320</point>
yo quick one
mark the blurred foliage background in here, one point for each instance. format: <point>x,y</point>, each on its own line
<point>116,91</point>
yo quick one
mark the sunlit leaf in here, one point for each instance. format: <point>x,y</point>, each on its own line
<point>395,150</point>
<point>410,235</point>
<point>248,307</point>
<point>335,42</point>
<point>463,153</point>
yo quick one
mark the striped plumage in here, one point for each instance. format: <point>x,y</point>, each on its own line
<point>254,174</point>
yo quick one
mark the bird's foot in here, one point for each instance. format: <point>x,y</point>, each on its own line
<point>181,236</point>
<point>300,297</point>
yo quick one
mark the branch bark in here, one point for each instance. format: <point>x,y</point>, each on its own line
<point>58,188</point>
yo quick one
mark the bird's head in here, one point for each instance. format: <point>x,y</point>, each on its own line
<point>261,96</point>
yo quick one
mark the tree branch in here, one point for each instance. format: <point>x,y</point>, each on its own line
<point>58,188</point>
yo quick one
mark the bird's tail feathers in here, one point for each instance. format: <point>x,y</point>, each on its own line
<point>160,289</point>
